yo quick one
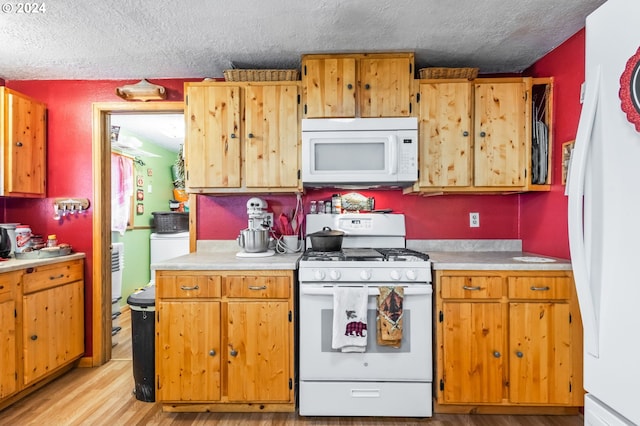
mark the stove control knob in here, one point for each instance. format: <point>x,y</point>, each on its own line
<point>335,275</point>
<point>365,275</point>
<point>395,275</point>
<point>319,275</point>
<point>411,275</point>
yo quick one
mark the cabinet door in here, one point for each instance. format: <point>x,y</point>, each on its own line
<point>258,345</point>
<point>8,364</point>
<point>445,134</point>
<point>385,87</point>
<point>499,134</point>
<point>25,151</point>
<point>473,352</point>
<point>188,350</point>
<point>53,330</point>
<point>540,353</point>
<point>271,136</point>
<point>213,137</point>
<point>330,87</point>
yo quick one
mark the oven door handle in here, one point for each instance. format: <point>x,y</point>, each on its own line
<point>373,291</point>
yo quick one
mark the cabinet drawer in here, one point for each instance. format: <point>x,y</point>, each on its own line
<point>540,287</point>
<point>188,286</point>
<point>471,287</point>
<point>9,281</point>
<point>258,287</point>
<point>48,276</point>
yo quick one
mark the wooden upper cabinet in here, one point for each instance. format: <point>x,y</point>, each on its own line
<point>357,85</point>
<point>330,87</point>
<point>500,127</point>
<point>23,129</point>
<point>271,136</point>
<point>213,136</point>
<point>385,86</point>
<point>446,141</point>
<point>242,136</point>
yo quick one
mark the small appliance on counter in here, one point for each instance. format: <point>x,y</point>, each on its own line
<point>255,240</point>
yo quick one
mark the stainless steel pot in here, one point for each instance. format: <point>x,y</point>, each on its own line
<point>254,240</point>
<point>326,240</point>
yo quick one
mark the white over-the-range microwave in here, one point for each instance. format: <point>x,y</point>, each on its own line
<point>359,152</point>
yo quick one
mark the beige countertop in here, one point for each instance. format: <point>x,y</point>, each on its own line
<point>496,260</point>
<point>17,264</point>
<point>227,260</point>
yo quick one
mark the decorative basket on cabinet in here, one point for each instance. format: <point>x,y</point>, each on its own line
<point>468,73</point>
<point>261,75</point>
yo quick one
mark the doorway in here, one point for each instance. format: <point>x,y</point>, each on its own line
<point>101,253</point>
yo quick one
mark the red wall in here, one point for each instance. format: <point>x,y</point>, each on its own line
<point>436,217</point>
<point>544,215</point>
<point>69,164</point>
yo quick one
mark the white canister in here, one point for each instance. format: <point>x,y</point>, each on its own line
<point>23,238</point>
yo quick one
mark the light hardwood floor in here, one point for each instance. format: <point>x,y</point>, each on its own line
<point>103,396</point>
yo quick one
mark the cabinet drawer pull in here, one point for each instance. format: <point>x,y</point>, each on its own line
<point>34,337</point>
<point>185,288</point>
<point>257,287</point>
<point>545,288</point>
<point>56,277</point>
<point>474,288</point>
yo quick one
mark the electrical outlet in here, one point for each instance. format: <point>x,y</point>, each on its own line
<point>474,220</point>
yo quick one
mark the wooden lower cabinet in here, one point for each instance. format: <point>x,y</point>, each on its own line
<point>224,340</point>
<point>507,341</point>
<point>42,333</point>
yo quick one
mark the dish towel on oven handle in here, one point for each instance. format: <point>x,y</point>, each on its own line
<point>350,319</point>
<point>389,318</point>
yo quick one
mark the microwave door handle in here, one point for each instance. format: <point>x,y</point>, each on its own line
<point>393,153</point>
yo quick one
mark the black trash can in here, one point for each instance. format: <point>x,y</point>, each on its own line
<point>143,316</point>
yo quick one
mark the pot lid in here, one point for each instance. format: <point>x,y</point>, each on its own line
<point>327,232</point>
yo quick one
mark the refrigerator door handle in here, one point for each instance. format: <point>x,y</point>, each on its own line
<point>575,189</point>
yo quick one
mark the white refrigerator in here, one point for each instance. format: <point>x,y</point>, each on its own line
<point>604,214</point>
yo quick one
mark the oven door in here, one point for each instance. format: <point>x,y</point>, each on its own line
<point>411,362</point>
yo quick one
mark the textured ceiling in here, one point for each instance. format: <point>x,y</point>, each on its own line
<point>133,39</point>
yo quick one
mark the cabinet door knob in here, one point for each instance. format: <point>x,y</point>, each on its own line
<point>349,86</point>
<point>212,352</point>
<point>465,133</point>
<point>496,354</point>
<point>483,134</point>
<point>18,143</point>
<point>233,352</point>
<point>519,354</point>
<point>367,86</point>
<point>250,135</point>
<point>34,337</point>
<point>233,136</point>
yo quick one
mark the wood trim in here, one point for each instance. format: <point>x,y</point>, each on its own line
<point>101,252</point>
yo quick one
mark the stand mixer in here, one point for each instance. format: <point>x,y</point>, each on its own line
<point>255,239</point>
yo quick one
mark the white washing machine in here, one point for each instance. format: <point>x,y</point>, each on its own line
<point>167,246</point>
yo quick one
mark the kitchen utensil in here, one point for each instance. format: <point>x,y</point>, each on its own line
<point>254,240</point>
<point>5,243</point>
<point>326,240</point>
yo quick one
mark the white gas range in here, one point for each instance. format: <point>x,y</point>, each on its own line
<point>383,380</point>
